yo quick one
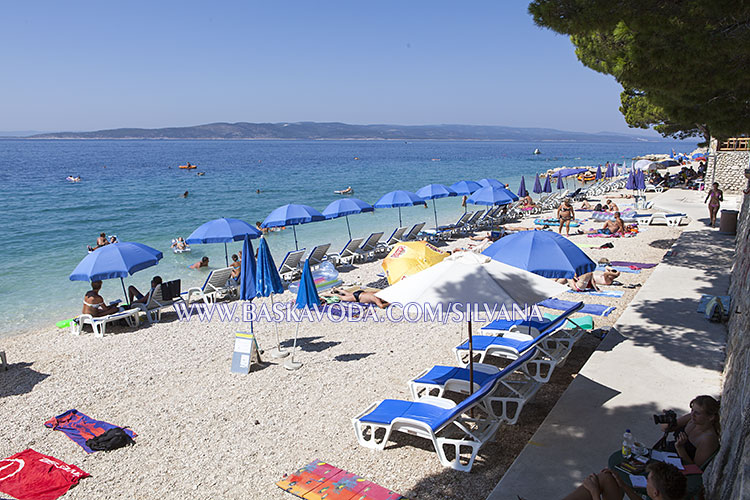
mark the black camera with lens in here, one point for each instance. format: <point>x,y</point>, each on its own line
<point>668,417</point>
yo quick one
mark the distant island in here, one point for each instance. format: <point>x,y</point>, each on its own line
<point>343,131</point>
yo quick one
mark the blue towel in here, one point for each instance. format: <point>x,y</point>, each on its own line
<point>563,305</point>
<point>622,269</point>
<point>602,293</point>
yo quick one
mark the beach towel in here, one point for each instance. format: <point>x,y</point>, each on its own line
<point>726,302</point>
<point>622,269</point>
<point>638,265</point>
<point>80,428</point>
<point>601,293</point>
<point>555,222</point>
<point>564,305</point>
<point>584,322</point>
<point>29,475</point>
<point>319,480</point>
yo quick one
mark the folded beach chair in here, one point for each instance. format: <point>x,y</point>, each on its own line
<point>290,268</point>
<point>347,254</point>
<point>451,427</point>
<point>511,393</point>
<point>367,250</point>
<point>158,301</point>
<point>513,344</point>
<point>216,286</point>
<point>318,253</point>
<point>413,233</point>
<point>99,325</point>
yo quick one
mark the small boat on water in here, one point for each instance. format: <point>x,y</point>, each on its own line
<point>537,152</point>
<point>189,166</point>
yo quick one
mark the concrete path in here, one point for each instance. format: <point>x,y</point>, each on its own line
<point>660,354</point>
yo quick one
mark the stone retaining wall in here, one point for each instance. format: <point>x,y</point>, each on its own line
<point>728,169</point>
<point>728,477</point>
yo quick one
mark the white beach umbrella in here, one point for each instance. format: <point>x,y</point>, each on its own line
<point>474,280</point>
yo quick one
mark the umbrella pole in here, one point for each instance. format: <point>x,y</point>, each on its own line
<point>434,209</point>
<point>399,218</point>
<point>280,353</point>
<point>471,359</point>
<point>290,364</point>
<point>124,292</point>
<point>347,226</point>
<point>226,255</point>
<point>296,246</point>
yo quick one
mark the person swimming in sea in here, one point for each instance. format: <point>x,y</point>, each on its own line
<point>184,195</point>
<point>201,263</point>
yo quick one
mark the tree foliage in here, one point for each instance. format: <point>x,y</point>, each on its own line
<point>684,64</point>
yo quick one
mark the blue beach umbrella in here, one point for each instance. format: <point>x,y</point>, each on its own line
<point>398,199</point>
<point>268,283</point>
<point>247,271</point>
<point>522,187</point>
<point>610,171</point>
<point>291,215</point>
<point>547,185</point>
<point>560,184</point>
<point>222,230</point>
<point>598,173</point>
<point>630,184</point>
<point>640,180</point>
<point>116,260</point>
<point>544,253</point>
<point>491,183</point>
<point>465,187</point>
<point>307,298</point>
<point>537,185</point>
<point>346,207</point>
<point>433,192</point>
<point>491,196</point>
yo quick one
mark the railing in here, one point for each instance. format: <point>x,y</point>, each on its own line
<point>735,144</point>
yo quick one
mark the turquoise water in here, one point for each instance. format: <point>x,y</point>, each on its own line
<point>48,221</point>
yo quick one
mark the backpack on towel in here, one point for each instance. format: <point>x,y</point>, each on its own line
<point>715,310</point>
<point>109,440</point>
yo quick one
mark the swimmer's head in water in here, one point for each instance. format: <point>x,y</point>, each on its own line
<point>204,260</point>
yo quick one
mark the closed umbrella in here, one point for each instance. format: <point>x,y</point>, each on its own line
<point>247,271</point>
<point>560,184</point>
<point>116,260</point>
<point>224,230</point>
<point>268,283</point>
<point>291,215</point>
<point>433,192</point>
<point>610,171</point>
<point>640,180</point>
<point>537,185</point>
<point>307,298</point>
<point>522,188</point>
<point>492,196</point>
<point>598,173</point>
<point>545,253</point>
<point>346,207</point>
<point>630,183</point>
<point>398,199</point>
<point>474,280</point>
<point>547,185</point>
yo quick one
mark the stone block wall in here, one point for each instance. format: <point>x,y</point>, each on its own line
<point>728,476</point>
<point>728,169</point>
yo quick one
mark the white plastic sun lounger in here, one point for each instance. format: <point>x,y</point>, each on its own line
<point>290,268</point>
<point>367,250</point>
<point>99,324</point>
<point>318,253</point>
<point>156,304</point>
<point>348,254</point>
<point>413,233</point>
<point>216,286</point>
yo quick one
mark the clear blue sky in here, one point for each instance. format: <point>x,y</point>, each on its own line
<point>94,65</point>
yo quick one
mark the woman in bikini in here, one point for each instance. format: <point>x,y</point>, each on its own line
<point>714,198</point>
<point>566,214</point>
<point>360,296</point>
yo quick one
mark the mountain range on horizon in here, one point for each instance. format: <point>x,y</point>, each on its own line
<point>343,131</point>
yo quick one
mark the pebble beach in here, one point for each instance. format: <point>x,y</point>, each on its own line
<point>204,432</point>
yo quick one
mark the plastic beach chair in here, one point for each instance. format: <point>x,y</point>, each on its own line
<point>511,393</point>
<point>367,250</point>
<point>217,285</point>
<point>318,253</point>
<point>157,301</point>
<point>347,254</point>
<point>290,266</point>
<point>514,344</point>
<point>99,324</point>
<point>451,427</point>
<point>413,232</point>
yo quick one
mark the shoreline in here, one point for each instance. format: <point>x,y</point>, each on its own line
<point>204,431</point>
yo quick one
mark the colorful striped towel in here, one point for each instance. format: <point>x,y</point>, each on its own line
<point>602,293</point>
<point>639,265</point>
<point>564,305</point>
<point>622,269</point>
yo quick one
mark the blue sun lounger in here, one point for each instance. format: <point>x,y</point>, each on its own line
<point>511,393</point>
<point>430,418</point>
<point>513,344</point>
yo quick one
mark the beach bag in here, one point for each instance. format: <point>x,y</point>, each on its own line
<point>715,310</point>
<point>109,440</point>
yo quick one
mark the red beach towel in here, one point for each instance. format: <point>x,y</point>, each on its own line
<point>29,475</point>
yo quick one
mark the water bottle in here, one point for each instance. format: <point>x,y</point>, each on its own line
<point>627,444</point>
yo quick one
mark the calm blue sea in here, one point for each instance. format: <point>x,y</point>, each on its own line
<point>132,189</point>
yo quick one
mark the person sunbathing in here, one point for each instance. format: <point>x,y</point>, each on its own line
<point>201,263</point>
<point>611,206</point>
<point>94,304</point>
<point>613,226</point>
<point>236,266</point>
<point>664,482</point>
<point>582,283</point>
<point>136,297</point>
<point>585,205</point>
<point>606,277</point>
<point>179,243</point>
<point>360,296</point>
<point>528,203</point>
<point>100,242</point>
